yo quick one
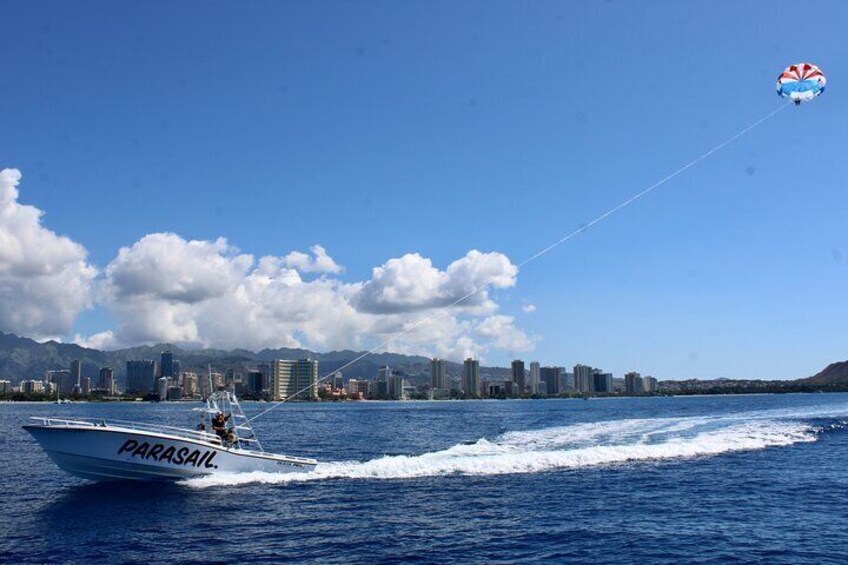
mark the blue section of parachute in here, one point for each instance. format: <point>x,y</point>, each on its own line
<point>802,86</point>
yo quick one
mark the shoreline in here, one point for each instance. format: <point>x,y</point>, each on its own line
<point>427,401</point>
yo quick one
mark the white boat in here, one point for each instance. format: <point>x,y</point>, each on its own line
<point>104,450</point>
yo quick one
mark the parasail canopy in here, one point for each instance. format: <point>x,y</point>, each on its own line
<point>801,82</point>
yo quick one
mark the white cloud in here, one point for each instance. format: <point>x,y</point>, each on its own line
<point>501,333</point>
<point>411,283</point>
<point>166,267</point>
<point>165,288</point>
<point>320,263</point>
<point>45,279</point>
<point>102,340</point>
<point>528,308</point>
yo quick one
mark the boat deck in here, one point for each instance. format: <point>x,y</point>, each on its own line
<point>158,430</point>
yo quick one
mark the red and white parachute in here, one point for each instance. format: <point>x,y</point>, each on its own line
<point>801,82</point>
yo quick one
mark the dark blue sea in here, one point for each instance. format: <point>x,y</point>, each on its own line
<point>734,479</point>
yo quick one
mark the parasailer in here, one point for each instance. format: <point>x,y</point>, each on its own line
<point>801,82</point>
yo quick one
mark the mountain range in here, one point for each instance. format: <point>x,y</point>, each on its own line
<point>23,358</point>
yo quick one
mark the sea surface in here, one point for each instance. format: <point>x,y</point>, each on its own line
<point>732,479</point>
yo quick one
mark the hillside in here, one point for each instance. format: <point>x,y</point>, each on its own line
<point>23,358</point>
<point>834,375</point>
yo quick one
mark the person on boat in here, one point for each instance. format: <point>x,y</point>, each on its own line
<point>219,425</point>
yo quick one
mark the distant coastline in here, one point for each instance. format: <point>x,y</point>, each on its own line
<point>790,387</point>
<point>33,371</point>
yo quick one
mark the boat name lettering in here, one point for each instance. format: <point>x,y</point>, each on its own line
<point>161,452</point>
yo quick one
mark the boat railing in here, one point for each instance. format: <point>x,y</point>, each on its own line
<point>156,428</point>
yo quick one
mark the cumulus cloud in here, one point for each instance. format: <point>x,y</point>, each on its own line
<point>207,293</point>
<point>45,278</point>
<point>502,333</point>
<point>412,283</point>
<point>166,267</point>
<point>528,308</point>
<point>320,262</point>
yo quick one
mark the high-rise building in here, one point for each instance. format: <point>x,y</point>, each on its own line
<point>518,376</point>
<point>567,381</point>
<point>253,384</point>
<point>535,377</point>
<point>76,372</point>
<point>265,368</point>
<point>105,379</point>
<point>106,374</point>
<point>633,383</point>
<point>439,380</point>
<point>471,377</point>
<point>294,379</point>
<point>551,377</point>
<point>141,376</point>
<point>602,381</point>
<point>382,383</point>
<point>30,386</point>
<point>205,386</point>
<point>190,384</point>
<point>283,379</point>
<point>649,384</point>
<point>62,380</point>
<point>396,387</point>
<point>167,364</point>
<point>85,386</point>
<point>583,379</point>
<point>380,389</point>
<point>357,387</point>
<point>338,380</point>
<point>307,378</point>
<point>352,387</point>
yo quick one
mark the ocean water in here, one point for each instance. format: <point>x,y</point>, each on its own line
<point>736,479</point>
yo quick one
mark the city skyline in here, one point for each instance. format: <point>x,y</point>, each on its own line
<point>494,381</point>
<point>282,380</point>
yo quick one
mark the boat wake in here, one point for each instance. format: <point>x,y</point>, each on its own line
<point>574,446</point>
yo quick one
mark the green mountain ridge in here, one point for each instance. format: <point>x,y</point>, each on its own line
<point>22,358</point>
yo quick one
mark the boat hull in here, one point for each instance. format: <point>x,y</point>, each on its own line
<point>109,453</point>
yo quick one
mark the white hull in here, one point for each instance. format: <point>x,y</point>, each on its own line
<point>109,452</point>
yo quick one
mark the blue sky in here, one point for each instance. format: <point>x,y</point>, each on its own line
<point>379,129</point>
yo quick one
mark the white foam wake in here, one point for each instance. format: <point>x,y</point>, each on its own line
<point>565,447</point>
